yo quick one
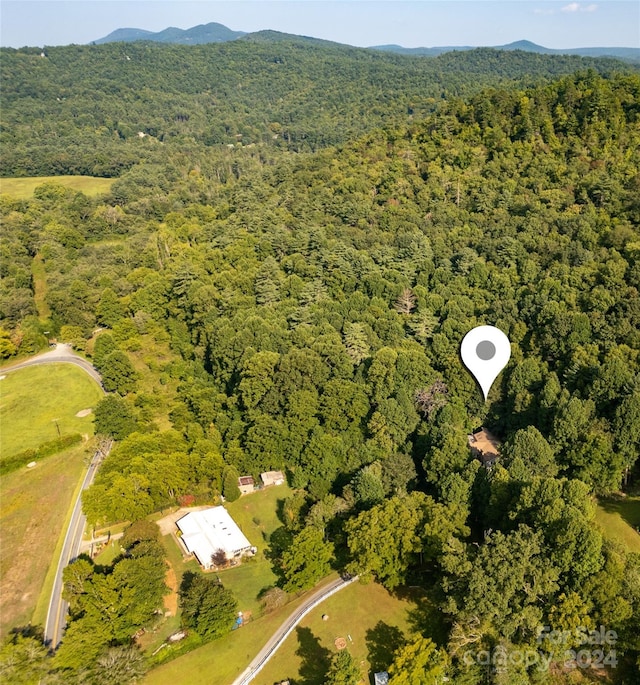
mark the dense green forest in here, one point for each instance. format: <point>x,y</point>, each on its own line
<point>300,306</point>
<point>81,109</point>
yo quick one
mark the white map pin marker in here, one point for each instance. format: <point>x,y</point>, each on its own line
<point>485,351</point>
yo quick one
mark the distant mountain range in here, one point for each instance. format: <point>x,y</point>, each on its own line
<point>525,45</point>
<point>197,35</point>
<point>218,33</point>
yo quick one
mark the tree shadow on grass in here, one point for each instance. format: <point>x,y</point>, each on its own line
<point>424,616</point>
<point>627,508</point>
<point>316,659</point>
<point>382,641</point>
<point>279,542</point>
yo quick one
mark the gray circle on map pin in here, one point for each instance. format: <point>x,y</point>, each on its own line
<point>486,350</point>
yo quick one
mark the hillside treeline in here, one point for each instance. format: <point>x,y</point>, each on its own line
<point>85,109</point>
<point>312,307</point>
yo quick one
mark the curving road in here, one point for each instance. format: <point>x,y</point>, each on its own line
<point>62,353</point>
<point>57,612</point>
<point>275,641</point>
<point>58,607</point>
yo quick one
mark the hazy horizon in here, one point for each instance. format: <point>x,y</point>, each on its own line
<point>556,24</point>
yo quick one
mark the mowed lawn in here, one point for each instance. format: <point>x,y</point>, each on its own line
<point>619,519</point>
<point>375,619</point>
<point>22,188</point>
<point>371,620</point>
<point>34,507</point>
<point>257,516</point>
<point>34,399</point>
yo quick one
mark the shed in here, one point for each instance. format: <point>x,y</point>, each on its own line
<point>246,484</point>
<point>272,478</point>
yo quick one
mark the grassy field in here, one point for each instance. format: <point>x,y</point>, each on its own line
<point>39,275</point>
<point>256,515</point>
<point>34,399</point>
<point>619,519</point>
<point>375,620</point>
<point>35,504</point>
<point>370,619</point>
<point>247,582</point>
<point>22,188</point>
<point>222,660</point>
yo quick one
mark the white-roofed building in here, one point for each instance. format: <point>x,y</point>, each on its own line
<point>272,478</point>
<point>206,532</point>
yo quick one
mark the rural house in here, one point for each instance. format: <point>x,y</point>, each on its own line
<point>485,447</point>
<point>206,532</point>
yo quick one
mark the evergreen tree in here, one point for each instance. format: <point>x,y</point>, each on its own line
<point>230,489</point>
<point>343,670</point>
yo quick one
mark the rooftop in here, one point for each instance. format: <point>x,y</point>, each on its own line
<point>485,442</point>
<point>207,531</point>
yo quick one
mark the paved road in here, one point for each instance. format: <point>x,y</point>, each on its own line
<point>57,612</point>
<point>58,607</point>
<point>62,353</point>
<point>283,632</point>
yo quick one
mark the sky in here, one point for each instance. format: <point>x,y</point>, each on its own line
<point>427,23</point>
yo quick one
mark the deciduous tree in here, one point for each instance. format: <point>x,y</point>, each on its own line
<point>207,606</point>
<point>419,662</point>
<point>307,561</point>
<point>343,670</point>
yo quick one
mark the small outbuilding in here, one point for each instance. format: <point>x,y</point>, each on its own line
<point>246,485</point>
<point>381,678</point>
<point>272,478</point>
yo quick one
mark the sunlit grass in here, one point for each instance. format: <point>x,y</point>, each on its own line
<point>38,403</point>
<point>22,188</point>
<point>35,503</point>
<point>619,519</point>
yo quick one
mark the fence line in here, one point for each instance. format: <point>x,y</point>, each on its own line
<point>291,624</point>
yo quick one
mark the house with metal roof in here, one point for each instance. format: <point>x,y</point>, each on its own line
<point>211,531</point>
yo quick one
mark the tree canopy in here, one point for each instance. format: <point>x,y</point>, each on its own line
<point>285,267</point>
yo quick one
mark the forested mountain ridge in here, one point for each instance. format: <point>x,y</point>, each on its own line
<point>632,54</point>
<point>314,304</point>
<point>518,206</point>
<point>214,33</point>
<point>203,33</point>
<point>278,90</point>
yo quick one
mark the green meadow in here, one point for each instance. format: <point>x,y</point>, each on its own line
<point>619,518</point>
<point>38,403</point>
<point>22,188</point>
